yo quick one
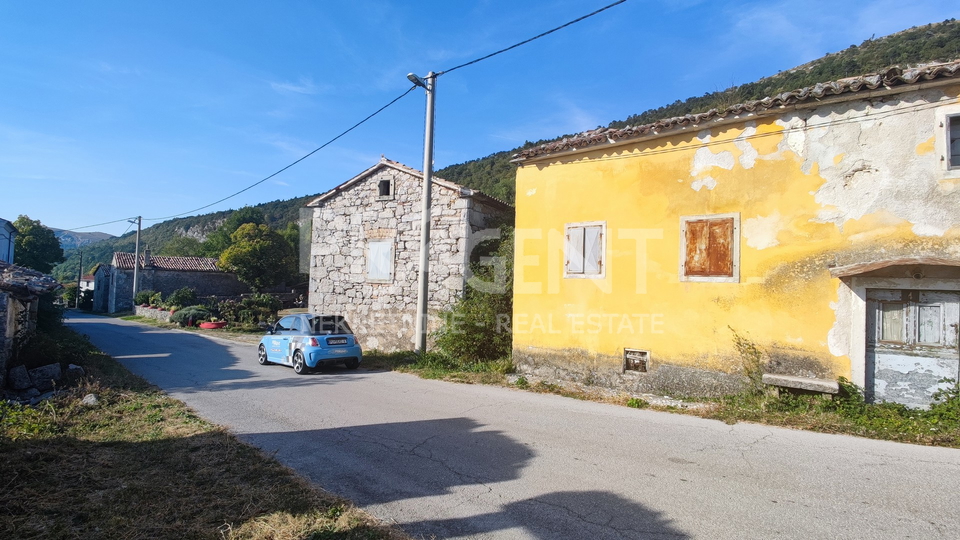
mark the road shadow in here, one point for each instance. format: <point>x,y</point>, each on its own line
<point>184,362</point>
<point>596,515</point>
<point>381,463</point>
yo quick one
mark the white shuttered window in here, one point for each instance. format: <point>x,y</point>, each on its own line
<point>584,249</point>
<point>380,260</point>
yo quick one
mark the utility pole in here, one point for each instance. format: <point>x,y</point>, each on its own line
<point>136,260</point>
<point>429,83</point>
<point>79,280</point>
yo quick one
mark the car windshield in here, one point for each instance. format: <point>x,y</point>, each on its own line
<point>329,324</point>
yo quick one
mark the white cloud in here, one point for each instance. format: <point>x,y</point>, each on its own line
<point>303,86</point>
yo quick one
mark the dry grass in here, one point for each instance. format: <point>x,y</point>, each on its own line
<point>141,465</point>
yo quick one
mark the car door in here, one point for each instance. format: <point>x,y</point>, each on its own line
<point>279,350</point>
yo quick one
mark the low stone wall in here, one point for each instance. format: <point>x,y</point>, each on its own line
<point>158,314</point>
<point>604,371</point>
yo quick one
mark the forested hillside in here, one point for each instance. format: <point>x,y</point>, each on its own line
<point>937,42</point>
<point>494,174</point>
<point>278,214</point>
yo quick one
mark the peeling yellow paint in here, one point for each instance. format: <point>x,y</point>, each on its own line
<point>785,299</point>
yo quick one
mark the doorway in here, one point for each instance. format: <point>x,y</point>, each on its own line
<point>911,344</point>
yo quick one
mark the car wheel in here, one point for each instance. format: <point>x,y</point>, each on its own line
<point>299,364</point>
<point>262,356</point>
<point>352,363</point>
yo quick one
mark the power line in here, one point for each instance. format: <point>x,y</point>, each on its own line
<point>99,224</point>
<point>482,58</point>
<point>321,147</point>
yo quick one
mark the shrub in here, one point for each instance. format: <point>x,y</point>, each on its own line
<point>250,310</point>
<point>477,328</point>
<point>143,297</point>
<point>182,297</point>
<point>191,314</point>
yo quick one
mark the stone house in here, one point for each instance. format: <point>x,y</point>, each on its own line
<point>20,291</point>
<point>113,283</point>
<point>822,225</point>
<point>7,235</point>
<point>365,250</point>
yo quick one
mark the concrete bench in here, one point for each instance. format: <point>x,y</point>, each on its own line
<point>801,384</point>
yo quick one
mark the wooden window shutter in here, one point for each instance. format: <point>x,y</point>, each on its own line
<point>574,250</point>
<point>697,240</point>
<point>709,247</point>
<point>592,250</point>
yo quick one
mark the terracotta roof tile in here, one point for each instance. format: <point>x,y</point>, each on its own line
<point>24,280</point>
<point>889,78</point>
<point>184,264</point>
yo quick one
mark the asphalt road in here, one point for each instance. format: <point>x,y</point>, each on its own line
<point>464,461</point>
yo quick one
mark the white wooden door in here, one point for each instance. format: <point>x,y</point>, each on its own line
<point>911,344</point>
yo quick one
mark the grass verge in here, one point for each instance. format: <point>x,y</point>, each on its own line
<point>439,366</point>
<point>139,464</point>
<point>847,413</point>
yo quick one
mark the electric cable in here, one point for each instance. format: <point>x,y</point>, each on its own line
<point>482,58</point>
<point>321,147</point>
<point>99,224</point>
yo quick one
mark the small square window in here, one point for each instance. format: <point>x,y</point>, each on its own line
<point>584,250</point>
<point>635,360</point>
<point>385,189</point>
<point>710,248</point>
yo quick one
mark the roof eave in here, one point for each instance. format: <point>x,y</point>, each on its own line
<point>724,120</point>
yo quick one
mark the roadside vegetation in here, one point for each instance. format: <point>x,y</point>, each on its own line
<point>111,456</point>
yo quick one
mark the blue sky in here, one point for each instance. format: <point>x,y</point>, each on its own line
<point>117,109</point>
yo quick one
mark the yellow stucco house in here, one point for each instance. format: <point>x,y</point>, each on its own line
<point>822,225</point>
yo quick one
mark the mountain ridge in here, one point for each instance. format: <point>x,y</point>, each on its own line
<point>495,174</point>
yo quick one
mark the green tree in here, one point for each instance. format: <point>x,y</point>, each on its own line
<point>219,240</point>
<point>260,256</point>
<point>182,246</point>
<point>477,327</point>
<point>36,246</point>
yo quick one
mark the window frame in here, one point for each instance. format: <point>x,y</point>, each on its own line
<point>734,276</point>
<point>390,195</point>
<point>602,273</point>
<point>948,136</point>
<point>391,257</point>
<point>910,325</point>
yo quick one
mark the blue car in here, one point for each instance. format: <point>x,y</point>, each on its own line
<point>307,341</point>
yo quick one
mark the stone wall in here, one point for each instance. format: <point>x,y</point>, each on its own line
<point>6,335</point>
<point>383,312</point>
<point>118,294</point>
<point>150,313</point>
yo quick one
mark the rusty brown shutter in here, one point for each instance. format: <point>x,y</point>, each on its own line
<point>696,262</point>
<point>709,247</point>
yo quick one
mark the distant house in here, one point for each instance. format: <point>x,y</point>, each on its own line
<point>113,283</point>
<point>7,235</point>
<point>87,282</point>
<point>20,290</point>
<point>821,225</point>
<point>365,249</point>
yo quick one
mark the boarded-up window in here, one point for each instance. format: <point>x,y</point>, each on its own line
<point>380,260</point>
<point>710,248</point>
<point>583,250</point>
